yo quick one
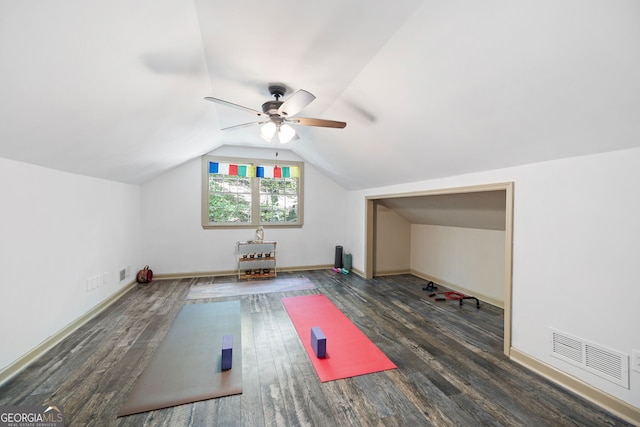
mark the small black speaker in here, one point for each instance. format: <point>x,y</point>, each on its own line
<point>338,263</point>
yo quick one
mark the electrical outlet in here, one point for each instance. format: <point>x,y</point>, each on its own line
<point>635,360</point>
<point>105,278</point>
<point>123,274</point>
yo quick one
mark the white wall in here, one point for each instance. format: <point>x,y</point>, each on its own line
<point>576,253</point>
<point>469,260</point>
<point>174,241</point>
<point>57,230</point>
<point>393,242</point>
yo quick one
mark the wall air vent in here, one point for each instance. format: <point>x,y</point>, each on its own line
<point>611,364</point>
<point>566,348</point>
<point>606,363</point>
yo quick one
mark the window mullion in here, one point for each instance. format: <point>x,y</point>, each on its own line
<point>255,200</point>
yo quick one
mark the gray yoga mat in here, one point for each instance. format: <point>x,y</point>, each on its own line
<point>186,366</point>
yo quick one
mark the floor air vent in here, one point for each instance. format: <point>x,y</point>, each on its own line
<point>606,363</point>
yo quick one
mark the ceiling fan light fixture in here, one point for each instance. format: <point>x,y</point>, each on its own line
<point>277,113</point>
<point>286,133</point>
<point>267,131</point>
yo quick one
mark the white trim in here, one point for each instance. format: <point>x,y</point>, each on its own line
<point>610,403</point>
<point>17,366</point>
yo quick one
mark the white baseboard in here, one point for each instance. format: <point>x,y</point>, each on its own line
<point>457,288</point>
<point>187,275</point>
<point>610,403</point>
<point>190,275</point>
<point>14,368</point>
<point>391,273</point>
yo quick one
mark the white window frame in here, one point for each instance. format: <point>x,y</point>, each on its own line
<point>255,194</point>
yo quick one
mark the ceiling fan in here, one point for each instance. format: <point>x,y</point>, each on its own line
<point>279,115</point>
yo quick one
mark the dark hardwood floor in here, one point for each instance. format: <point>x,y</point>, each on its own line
<point>451,370</point>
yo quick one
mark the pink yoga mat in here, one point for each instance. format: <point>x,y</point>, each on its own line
<point>349,351</point>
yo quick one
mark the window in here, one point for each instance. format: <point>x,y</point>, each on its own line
<point>248,193</point>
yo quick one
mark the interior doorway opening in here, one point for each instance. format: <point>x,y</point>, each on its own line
<point>482,207</point>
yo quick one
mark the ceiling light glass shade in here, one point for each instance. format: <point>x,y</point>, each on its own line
<point>286,133</point>
<point>267,131</point>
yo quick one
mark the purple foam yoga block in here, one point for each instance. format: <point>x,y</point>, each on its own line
<point>227,352</point>
<point>318,342</point>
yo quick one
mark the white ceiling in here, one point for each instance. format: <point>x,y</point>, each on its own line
<point>114,89</point>
<point>483,209</point>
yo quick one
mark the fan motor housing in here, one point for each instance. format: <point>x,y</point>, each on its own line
<point>277,91</point>
<point>271,107</point>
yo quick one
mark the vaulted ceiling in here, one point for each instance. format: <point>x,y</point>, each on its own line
<point>482,209</point>
<point>114,89</point>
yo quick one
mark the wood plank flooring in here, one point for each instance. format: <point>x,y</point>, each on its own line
<point>451,370</point>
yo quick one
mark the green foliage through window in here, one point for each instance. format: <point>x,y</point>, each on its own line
<point>229,199</point>
<point>278,200</point>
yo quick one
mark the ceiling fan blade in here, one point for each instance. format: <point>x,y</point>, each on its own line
<point>231,104</point>
<point>318,122</point>
<point>244,125</point>
<point>296,103</point>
